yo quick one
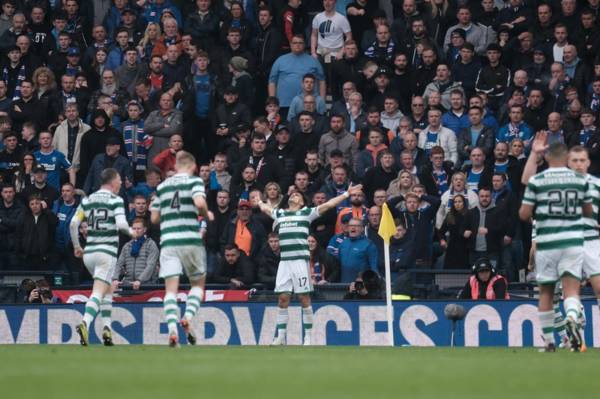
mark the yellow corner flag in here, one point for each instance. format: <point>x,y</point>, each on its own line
<point>387,227</point>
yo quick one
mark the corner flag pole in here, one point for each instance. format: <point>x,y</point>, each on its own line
<point>387,229</point>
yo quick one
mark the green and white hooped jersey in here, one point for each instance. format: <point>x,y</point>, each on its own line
<point>174,200</point>
<point>101,210</point>
<point>558,195</point>
<point>294,228</point>
<point>590,225</point>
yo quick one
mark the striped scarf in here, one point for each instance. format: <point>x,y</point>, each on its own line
<point>374,51</point>
<point>20,78</point>
<point>134,143</point>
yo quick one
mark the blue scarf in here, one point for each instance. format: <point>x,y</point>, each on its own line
<point>136,150</point>
<point>584,136</point>
<point>214,182</point>
<point>136,246</point>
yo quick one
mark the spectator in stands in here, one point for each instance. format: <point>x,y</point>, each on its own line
<point>324,268</point>
<point>69,133</point>
<point>456,119</point>
<point>23,177</point>
<point>437,135</point>
<point>516,128</point>
<point>235,269</point>
<point>35,236</point>
<point>457,186</point>
<point>10,157</point>
<point>494,78</point>
<point>64,208</point>
<point>55,162</point>
<point>445,85</point>
<point>417,222</point>
<point>485,283</point>
<point>485,228</point>
<point>242,230</point>
<point>357,253</point>
<point>476,134</point>
<point>340,139</point>
<point>138,261</point>
<point>11,214</point>
<point>28,108</point>
<point>476,34</point>
<point>288,70</point>
<point>451,236</point>
<point>380,177</point>
<point>268,261</point>
<point>40,188</point>
<point>162,124</point>
<point>110,159</point>
<point>165,160</point>
<point>477,172</point>
<point>94,142</point>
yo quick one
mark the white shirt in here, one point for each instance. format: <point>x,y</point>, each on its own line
<point>330,30</point>
<point>557,53</point>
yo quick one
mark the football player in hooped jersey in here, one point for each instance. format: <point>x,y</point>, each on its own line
<point>293,274</point>
<point>560,197</point>
<point>179,200</point>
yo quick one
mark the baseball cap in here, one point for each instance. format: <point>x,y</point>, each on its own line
<point>73,52</point>
<point>39,168</point>
<point>244,203</point>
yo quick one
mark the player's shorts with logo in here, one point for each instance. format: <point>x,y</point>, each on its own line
<point>591,258</point>
<point>552,264</point>
<point>100,265</point>
<point>293,276</point>
<point>175,260</point>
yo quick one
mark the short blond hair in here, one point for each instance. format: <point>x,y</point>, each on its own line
<point>184,160</point>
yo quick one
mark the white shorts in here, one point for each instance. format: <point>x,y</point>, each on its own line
<point>293,276</point>
<point>100,265</point>
<point>591,258</point>
<point>175,260</point>
<point>553,264</point>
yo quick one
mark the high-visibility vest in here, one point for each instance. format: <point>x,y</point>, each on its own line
<point>489,292</point>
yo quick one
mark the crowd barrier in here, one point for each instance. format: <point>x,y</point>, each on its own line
<point>416,323</point>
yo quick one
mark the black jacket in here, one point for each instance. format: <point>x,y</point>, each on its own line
<point>426,178</point>
<point>376,178</point>
<point>10,220</point>
<point>485,141</point>
<point>267,47</point>
<point>36,238</point>
<point>495,222</point>
<point>242,270</point>
<point>268,262</point>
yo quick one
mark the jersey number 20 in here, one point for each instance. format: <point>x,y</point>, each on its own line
<point>562,203</point>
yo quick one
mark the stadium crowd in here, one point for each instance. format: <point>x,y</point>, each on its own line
<point>432,105</point>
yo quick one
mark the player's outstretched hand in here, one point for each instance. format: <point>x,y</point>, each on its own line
<point>210,216</point>
<point>540,142</point>
<point>354,189</point>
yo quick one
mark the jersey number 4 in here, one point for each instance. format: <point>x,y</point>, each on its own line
<point>175,204</point>
<point>97,218</point>
<point>563,203</point>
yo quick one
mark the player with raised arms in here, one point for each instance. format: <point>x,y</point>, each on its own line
<point>105,215</point>
<point>293,273</point>
<point>178,201</point>
<point>560,198</point>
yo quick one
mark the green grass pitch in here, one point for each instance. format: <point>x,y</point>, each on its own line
<point>147,372</point>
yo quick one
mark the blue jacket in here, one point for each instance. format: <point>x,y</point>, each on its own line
<point>357,255</point>
<point>454,122</point>
<point>525,133</point>
<point>114,58</point>
<point>64,213</point>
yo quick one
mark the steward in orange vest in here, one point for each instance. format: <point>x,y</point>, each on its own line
<point>485,283</point>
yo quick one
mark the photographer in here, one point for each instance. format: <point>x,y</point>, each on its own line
<point>37,292</point>
<point>366,286</point>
